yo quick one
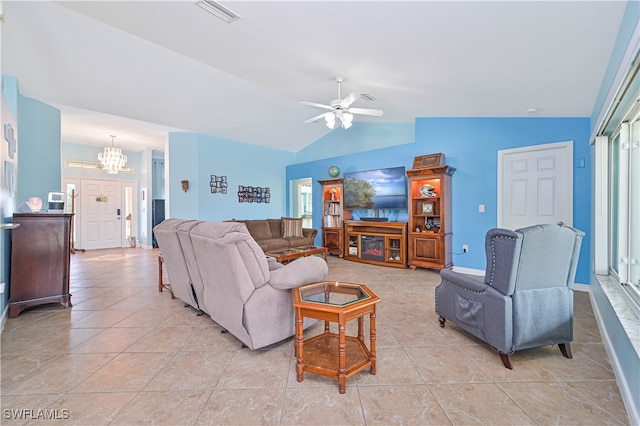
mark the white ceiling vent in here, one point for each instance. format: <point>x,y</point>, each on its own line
<point>368,97</point>
<point>218,10</point>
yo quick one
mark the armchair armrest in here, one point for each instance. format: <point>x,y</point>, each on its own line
<point>469,282</point>
<point>299,272</point>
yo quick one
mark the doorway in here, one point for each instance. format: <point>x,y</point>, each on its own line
<point>301,201</point>
<point>535,185</point>
<point>105,213</point>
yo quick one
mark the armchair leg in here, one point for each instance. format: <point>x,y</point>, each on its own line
<point>505,360</point>
<point>565,348</point>
<point>442,321</point>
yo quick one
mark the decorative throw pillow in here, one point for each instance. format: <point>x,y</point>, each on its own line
<point>291,227</point>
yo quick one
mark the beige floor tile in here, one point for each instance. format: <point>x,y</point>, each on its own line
<point>59,375</point>
<point>322,406</point>
<point>478,403</point>
<point>126,372</point>
<point>393,367</point>
<point>14,367</point>
<point>540,400</point>
<point>243,407</point>
<point>168,339</point>
<point>113,340</point>
<point>256,369</point>
<point>163,408</point>
<point>604,394</point>
<point>445,364</point>
<point>127,354</point>
<point>88,408</point>
<point>405,404</point>
<point>191,371</point>
<point>101,319</point>
<point>21,409</point>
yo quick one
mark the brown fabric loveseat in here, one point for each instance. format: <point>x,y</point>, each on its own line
<point>278,234</point>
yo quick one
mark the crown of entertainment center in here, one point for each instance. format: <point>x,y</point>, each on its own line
<point>424,241</point>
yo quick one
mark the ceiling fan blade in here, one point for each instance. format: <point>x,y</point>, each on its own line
<point>366,111</point>
<point>313,104</point>
<point>317,117</point>
<point>349,99</point>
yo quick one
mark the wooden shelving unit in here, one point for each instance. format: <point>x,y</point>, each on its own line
<point>333,215</point>
<point>378,243</point>
<point>430,217</point>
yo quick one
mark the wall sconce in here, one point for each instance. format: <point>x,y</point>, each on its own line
<point>185,185</point>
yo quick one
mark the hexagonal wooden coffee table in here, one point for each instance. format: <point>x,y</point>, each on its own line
<point>329,354</point>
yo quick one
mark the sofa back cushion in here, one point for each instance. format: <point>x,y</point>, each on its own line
<point>276,227</point>
<point>291,227</point>
<point>259,229</point>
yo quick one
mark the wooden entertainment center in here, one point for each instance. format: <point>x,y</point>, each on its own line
<point>378,243</point>
<point>424,241</point>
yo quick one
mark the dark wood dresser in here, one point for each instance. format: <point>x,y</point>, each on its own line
<point>40,257</point>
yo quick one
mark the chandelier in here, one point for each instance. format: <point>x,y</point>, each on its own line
<point>112,158</point>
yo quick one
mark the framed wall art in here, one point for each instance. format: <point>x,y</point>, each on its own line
<point>218,184</point>
<point>251,194</point>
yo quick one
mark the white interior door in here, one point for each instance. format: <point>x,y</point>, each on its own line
<point>101,215</point>
<point>535,185</point>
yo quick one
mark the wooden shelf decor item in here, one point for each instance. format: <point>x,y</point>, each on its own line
<point>428,161</point>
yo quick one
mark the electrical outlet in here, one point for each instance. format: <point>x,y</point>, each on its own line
<point>465,248</point>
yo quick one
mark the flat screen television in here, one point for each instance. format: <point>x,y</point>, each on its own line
<point>379,189</point>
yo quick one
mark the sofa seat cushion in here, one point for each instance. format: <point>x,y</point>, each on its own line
<point>291,227</point>
<point>298,241</point>
<point>272,244</point>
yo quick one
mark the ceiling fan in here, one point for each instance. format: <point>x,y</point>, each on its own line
<point>340,111</point>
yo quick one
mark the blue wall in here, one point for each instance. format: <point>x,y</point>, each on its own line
<point>195,157</point>
<point>39,148</point>
<point>471,146</point>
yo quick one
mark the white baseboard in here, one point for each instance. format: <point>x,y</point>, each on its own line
<point>5,316</point>
<point>625,393</point>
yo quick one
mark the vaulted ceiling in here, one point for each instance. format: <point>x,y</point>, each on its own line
<point>141,69</point>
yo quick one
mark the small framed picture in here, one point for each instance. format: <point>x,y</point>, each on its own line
<point>427,208</point>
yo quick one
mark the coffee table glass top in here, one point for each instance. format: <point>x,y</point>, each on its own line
<point>333,293</point>
<point>291,250</point>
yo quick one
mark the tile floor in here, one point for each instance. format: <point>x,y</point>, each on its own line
<point>127,354</point>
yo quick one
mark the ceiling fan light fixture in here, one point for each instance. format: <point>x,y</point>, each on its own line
<point>331,121</point>
<point>347,120</point>
<point>218,10</point>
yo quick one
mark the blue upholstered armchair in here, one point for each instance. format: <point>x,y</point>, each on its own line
<point>525,299</point>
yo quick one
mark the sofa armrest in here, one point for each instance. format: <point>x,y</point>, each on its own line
<point>310,233</point>
<point>273,263</point>
<point>469,282</point>
<point>299,272</point>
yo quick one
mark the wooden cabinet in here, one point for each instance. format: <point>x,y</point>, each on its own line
<point>332,215</point>
<point>430,217</point>
<point>40,257</point>
<point>379,243</point>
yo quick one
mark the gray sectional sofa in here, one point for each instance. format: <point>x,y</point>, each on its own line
<point>218,268</point>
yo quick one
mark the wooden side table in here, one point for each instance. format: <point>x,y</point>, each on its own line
<point>161,284</point>
<point>329,354</point>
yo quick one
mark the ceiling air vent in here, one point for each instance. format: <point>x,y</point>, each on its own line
<point>367,97</point>
<point>218,10</point>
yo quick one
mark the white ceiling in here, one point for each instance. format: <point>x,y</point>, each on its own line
<point>140,69</point>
